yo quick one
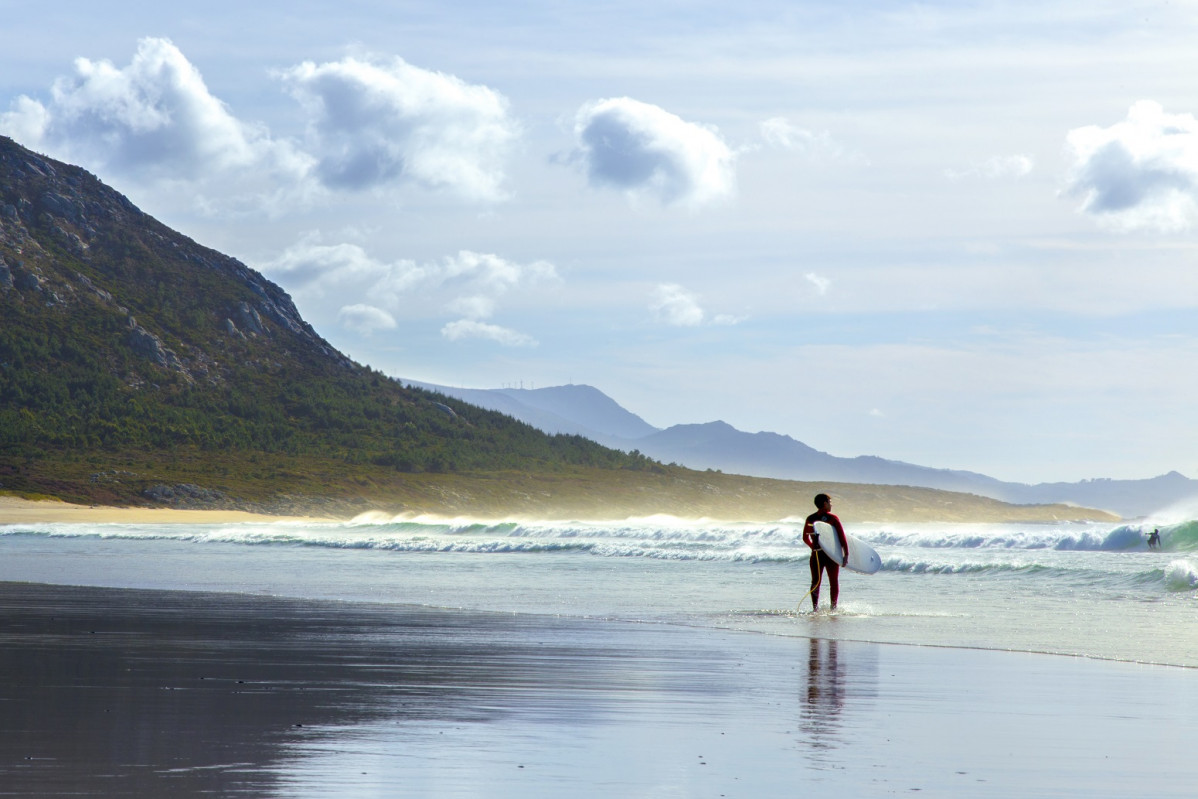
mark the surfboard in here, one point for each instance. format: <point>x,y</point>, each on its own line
<point>862,557</point>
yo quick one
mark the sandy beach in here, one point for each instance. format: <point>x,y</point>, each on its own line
<point>113,692</point>
<point>22,511</point>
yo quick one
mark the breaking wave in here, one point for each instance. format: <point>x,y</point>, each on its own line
<point>979,549</point>
<point>1067,538</point>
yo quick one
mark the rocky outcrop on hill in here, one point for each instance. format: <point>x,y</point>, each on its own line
<point>68,242</point>
<point>149,346</point>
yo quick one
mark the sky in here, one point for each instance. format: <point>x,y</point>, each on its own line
<point>957,234</point>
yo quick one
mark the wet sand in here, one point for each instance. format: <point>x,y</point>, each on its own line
<point>111,692</point>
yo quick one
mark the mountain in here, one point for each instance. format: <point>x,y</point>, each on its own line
<point>572,410</point>
<point>587,406</point>
<point>130,354</point>
<point>138,367</point>
<point>586,411</point>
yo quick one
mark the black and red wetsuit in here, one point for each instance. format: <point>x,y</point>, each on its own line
<point>820,560</point>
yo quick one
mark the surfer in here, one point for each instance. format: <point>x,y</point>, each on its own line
<point>1154,540</point>
<point>820,562</point>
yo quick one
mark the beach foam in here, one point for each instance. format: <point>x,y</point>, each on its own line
<point>949,585</point>
<point>1181,575</point>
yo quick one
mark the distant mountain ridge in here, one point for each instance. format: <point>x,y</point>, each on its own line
<point>570,410</point>
<point>139,367</point>
<point>587,411</point>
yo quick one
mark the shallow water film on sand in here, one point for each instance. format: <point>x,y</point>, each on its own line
<point>1079,589</point>
<point>652,657</point>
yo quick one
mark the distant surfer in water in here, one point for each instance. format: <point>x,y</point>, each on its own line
<point>819,559</point>
<point>1154,540</point>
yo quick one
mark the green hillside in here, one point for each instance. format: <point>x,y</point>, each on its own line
<point>138,367</point>
<point>128,349</point>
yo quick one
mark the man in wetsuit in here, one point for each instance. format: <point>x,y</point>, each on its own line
<point>819,560</point>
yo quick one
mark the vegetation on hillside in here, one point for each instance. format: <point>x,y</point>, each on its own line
<point>66,388</point>
<point>123,338</point>
<point>139,367</point>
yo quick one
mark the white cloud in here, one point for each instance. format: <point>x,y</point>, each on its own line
<point>994,168</point>
<point>780,133</point>
<point>821,284</point>
<point>154,118</point>
<point>315,268</point>
<point>27,122</point>
<point>375,123</point>
<point>469,328</point>
<point>1141,172</point>
<point>676,306</point>
<point>311,266</point>
<point>648,152</point>
<point>476,307</point>
<point>366,319</point>
<point>380,121</point>
<point>493,273</point>
<point>371,292</point>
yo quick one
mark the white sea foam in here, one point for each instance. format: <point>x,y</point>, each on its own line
<point>1181,575</point>
<point>1087,584</point>
<point>1013,551</point>
<point>654,537</point>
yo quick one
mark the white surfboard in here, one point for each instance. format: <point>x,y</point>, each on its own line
<point>862,557</point>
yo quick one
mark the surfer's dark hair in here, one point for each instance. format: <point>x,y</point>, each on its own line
<point>820,499</point>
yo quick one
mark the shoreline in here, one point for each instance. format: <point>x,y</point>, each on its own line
<point>14,510</point>
<point>748,578</point>
<point>407,607</point>
<point>264,696</point>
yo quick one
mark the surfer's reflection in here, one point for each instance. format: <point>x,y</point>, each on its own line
<point>820,712</point>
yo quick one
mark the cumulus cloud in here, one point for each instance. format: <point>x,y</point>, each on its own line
<point>378,121</point>
<point>674,305</point>
<point>492,273</point>
<point>821,284</point>
<point>314,268</point>
<point>373,293</point>
<point>475,307</point>
<point>469,328</point>
<point>372,123</point>
<point>366,319</point>
<point>154,117</point>
<point>647,152</point>
<point>994,168</point>
<point>28,122</point>
<point>781,134</point>
<point>1141,172</point>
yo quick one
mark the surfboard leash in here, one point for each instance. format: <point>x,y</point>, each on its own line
<point>819,579</point>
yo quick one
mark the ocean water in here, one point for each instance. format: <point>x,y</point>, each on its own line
<point>1080,589</point>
